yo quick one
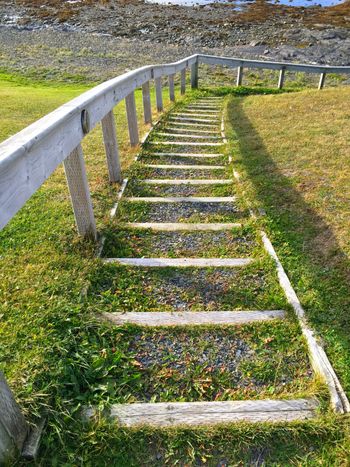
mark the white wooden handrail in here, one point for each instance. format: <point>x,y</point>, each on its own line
<point>28,158</point>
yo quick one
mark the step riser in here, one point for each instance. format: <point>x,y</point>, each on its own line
<point>185,167</point>
<point>182,199</point>
<point>181,226</point>
<point>186,182</point>
<point>193,318</point>
<point>181,262</point>
<point>209,413</point>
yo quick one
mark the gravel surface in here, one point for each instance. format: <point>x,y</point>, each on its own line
<point>188,173</point>
<point>210,290</point>
<point>179,244</point>
<point>200,212</point>
<point>213,349</point>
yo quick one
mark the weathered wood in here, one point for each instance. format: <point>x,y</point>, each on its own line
<point>171,88</point>
<point>181,262</point>
<point>281,78</point>
<point>182,199</point>
<point>318,357</point>
<point>74,168</point>
<point>194,75</point>
<point>177,130</point>
<point>185,135</point>
<point>190,181</point>
<point>185,167</point>
<point>13,427</point>
<point>202,113</point>
<point>146,100</point>
<point>264,64</point>
<point>183,143</point>
<point>119,196</point>
<point>239,75</point>
<point>31,445</point>
<point>132,119</point>
<point>322,81</point>
<point>178,122</point>
<point>111,147</point>
<point>159,94</point>
<point>189,118</point>
<point>183,226</point>
<point>183,81</point>
<point>193,318</point>
<point>186,155</point>
<point>165,414</point>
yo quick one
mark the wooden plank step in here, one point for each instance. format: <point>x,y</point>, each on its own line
<point>179,135</point>
<point>181,199</point>
<point>193,318</point>
<point>183,143</point>
<point>189,181</point>
<point>185,167</point>
<point>183,154</point>
<point>201,113</point>
<point>194,117</point>
<point>194,120</point>
<point>174,121</point>
<point>183,226</point>
<point>205,107</point>
<point>212,132</point>
<point>166,414</point>
<point>181,262</point>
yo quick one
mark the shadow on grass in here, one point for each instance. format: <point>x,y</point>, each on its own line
<point>316,264</point>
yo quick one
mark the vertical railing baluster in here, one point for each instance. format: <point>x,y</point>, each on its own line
<point>183,81</point>
<point>111,147</point>
<point>239,76</point>
<point>194,75</point>
<point>159,95</point>
<point>132,119</point>
<point>146,99</point>
<point>281,78</point>
<point>171,88</point>
<point>322,80</point>
<point>74,167</point>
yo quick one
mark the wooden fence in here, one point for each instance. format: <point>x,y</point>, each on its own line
<point>28,158</point>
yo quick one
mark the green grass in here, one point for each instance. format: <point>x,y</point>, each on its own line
<point>55,353</point>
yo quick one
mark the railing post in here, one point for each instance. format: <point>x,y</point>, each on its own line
<point>13,427</point>
<point>194,75</point>
<point>74,168</point>
<point>146,99</point>
<point>183,81</point>
<point>111,147</point>
<point>239,75</point>
<point>322,80</point>
<point>171,88</point>
<point>281,78</point>
<point>159,95</point>
<point>132,119</point>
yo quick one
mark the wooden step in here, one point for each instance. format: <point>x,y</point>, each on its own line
<point>201,113</point>
<point>181,262</point>
<point>216,132</point>
<point>184,154</point>
<point>182,199</point>
<point>180,118</point>
<point>195,125</point>
<point>193,318</point>
<point>183,143</point>
<point>194,118</point>
<point>189,181</point>
<point>183,226</point>
<point>179,135</point>
<point>167,414</point>
<point>184,167</point>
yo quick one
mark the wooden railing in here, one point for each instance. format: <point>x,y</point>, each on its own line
<point>28,158</point>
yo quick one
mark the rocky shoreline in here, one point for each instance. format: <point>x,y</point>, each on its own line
<point>99,40</point>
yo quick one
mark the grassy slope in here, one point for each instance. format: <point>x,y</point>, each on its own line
<point>51,350</point>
